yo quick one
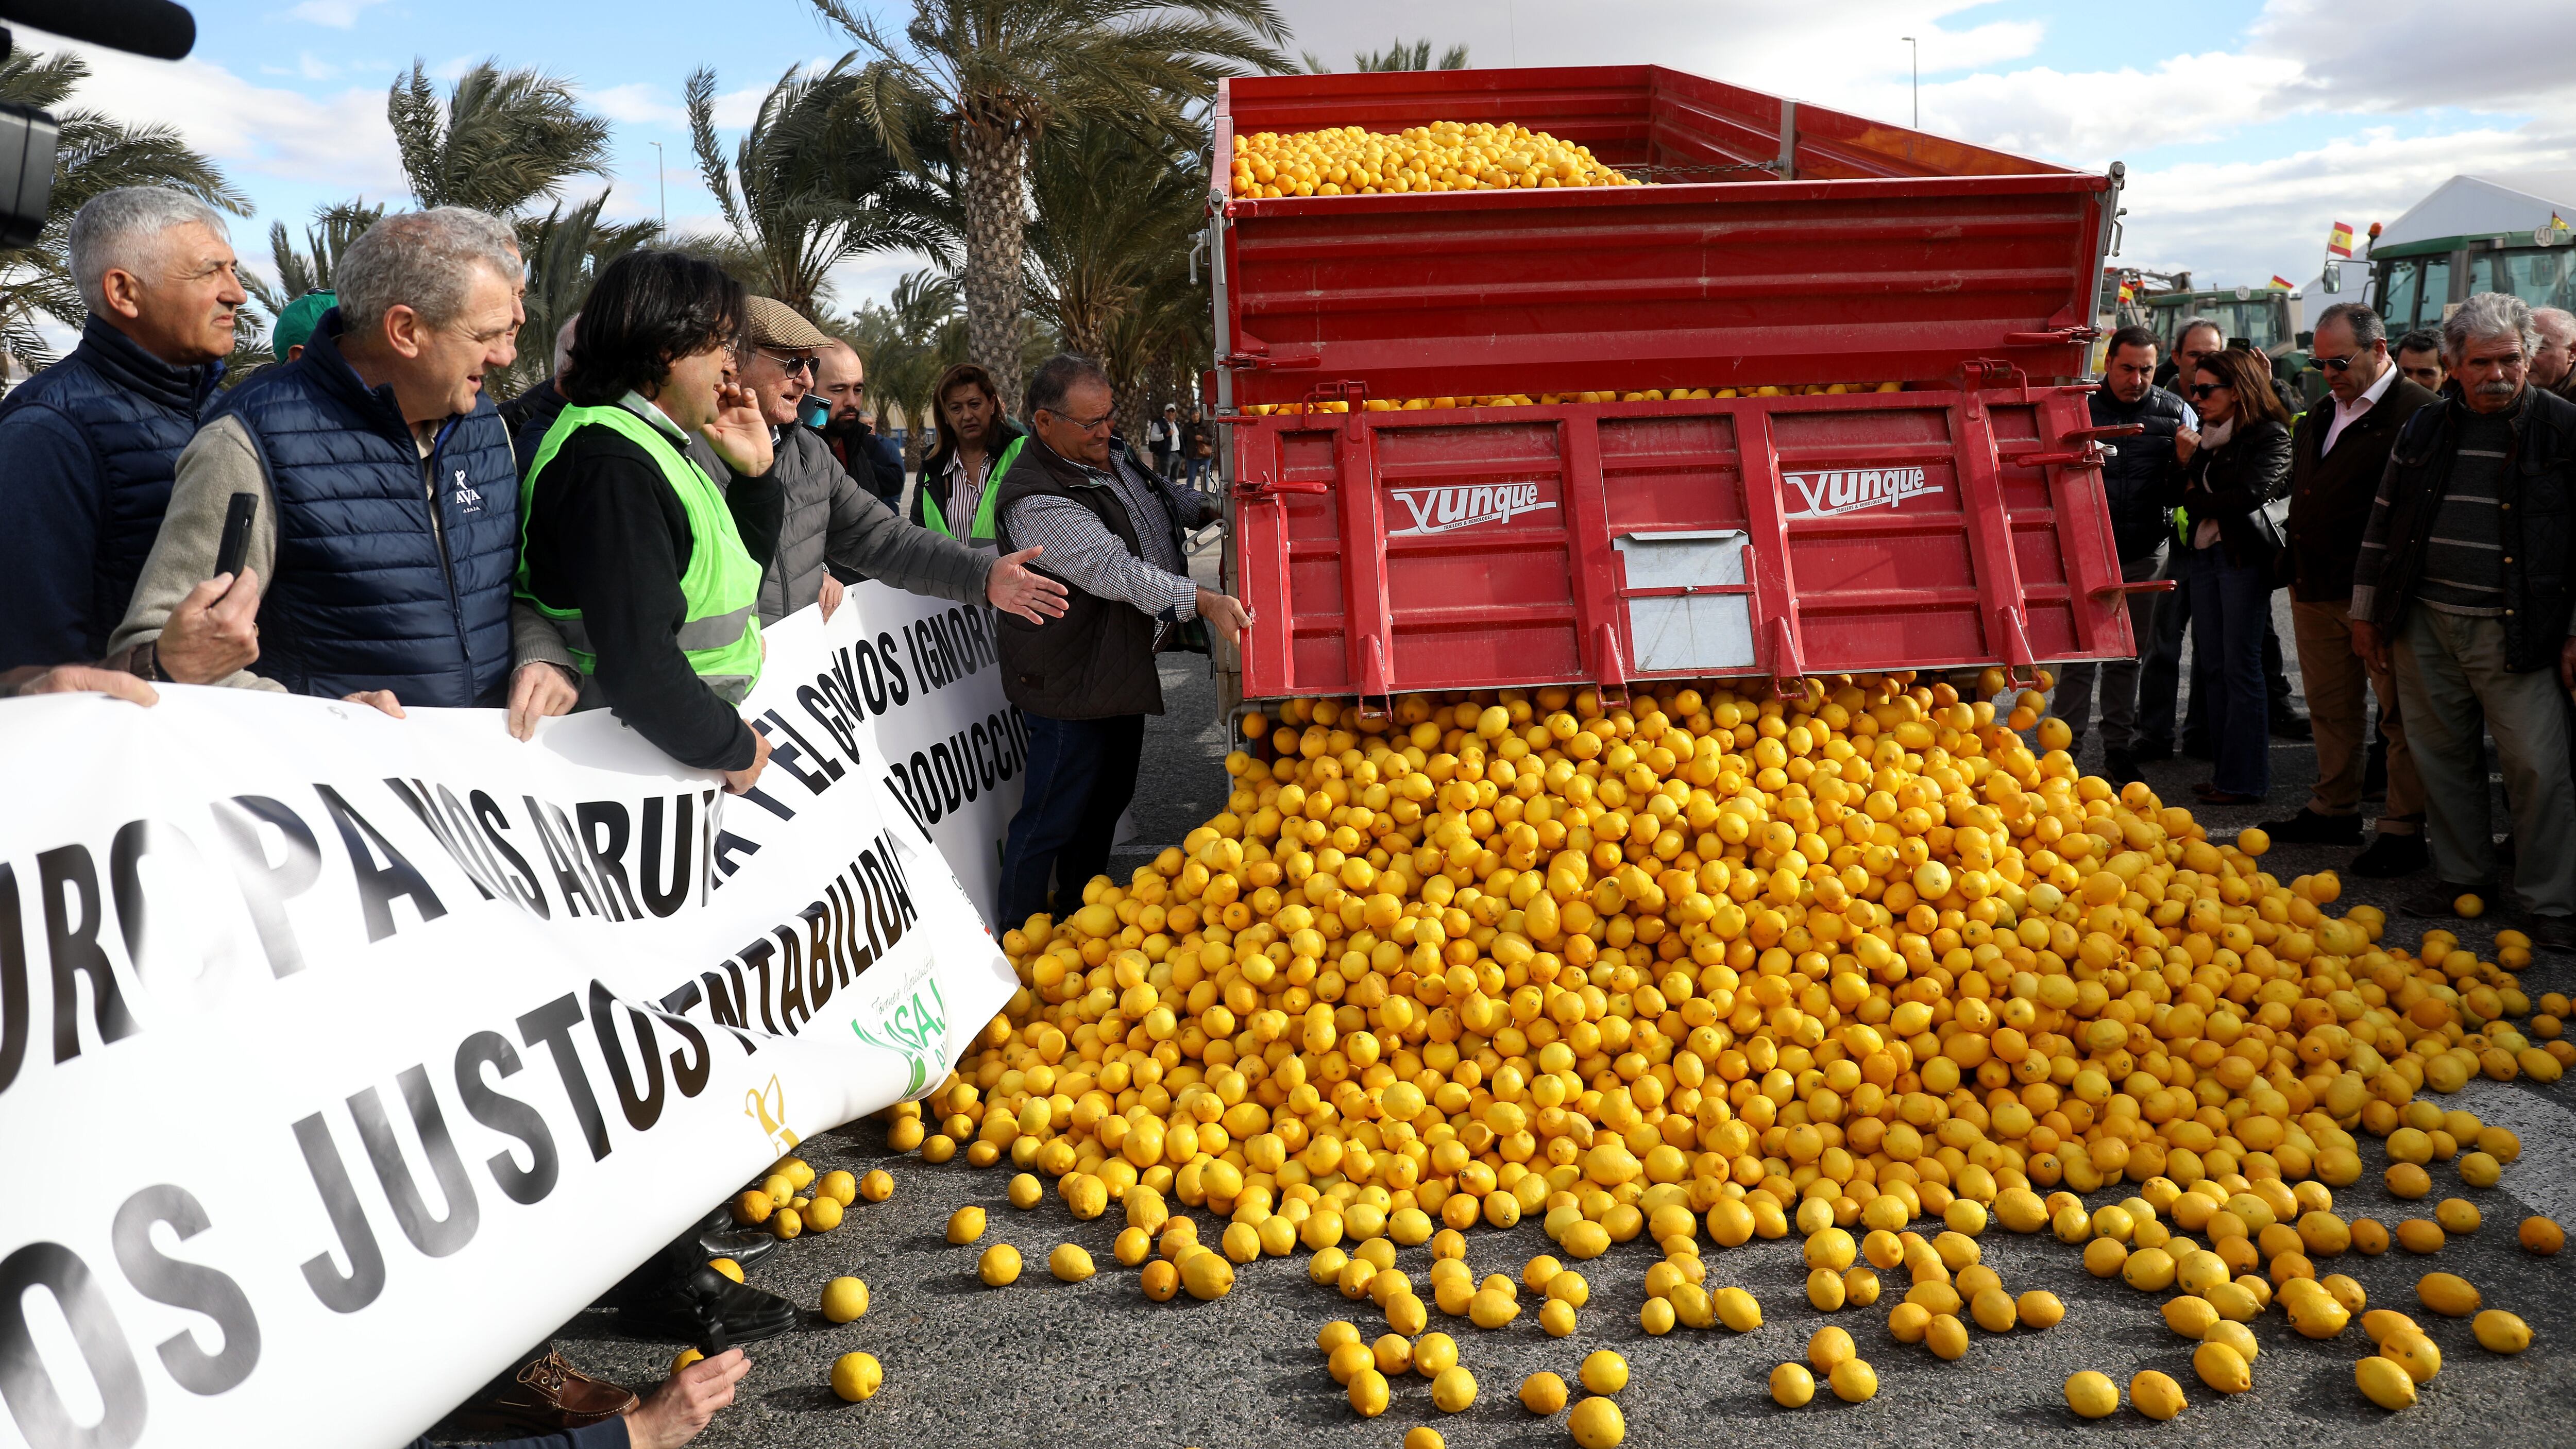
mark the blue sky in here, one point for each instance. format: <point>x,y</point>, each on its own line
<point>2248,127</point>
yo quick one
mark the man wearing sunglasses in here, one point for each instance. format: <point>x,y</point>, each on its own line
<point>2337,455</point>
<point>835,532</point>
<point>1085,683</point>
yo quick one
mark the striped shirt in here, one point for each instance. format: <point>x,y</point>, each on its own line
<point>2463,556</point>
<point>1082,551</point>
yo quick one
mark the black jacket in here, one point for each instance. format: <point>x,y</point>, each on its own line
<point>2330,493</point>
<point>528,416</point>
<point>870,458</point>
<point>2232,482</point>
<point>2141,478</point>
<point>934,478</point>
<point>2539,491</point>
<point>1097,661</point>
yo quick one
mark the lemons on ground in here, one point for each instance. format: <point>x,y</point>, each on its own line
<point>1543,1393</point>
<point>684,1358</point>
<point>1596,1423</point>
<point>1433,1354</point>
<point>857,1376</point>
<point>2092,1395</point>
<point>2501,1332</point>
<point>1368,1393</point>
<point>2156,1395</point>
<point>1604,1372</point>
<point>752,1208</point>
<point>2384,1383</point>
<point>2221,1367</point>
<point>844,1299</point>
<point>1025,1192</point>
<point>876,1185</point>
<point>1737,1309</point>
<point>1453,1389</point>
<point>1854,1381</point>
<point>1070,1262</point>
<point>839,1186</point>
<point>2039,1308</point>
<point>823,1214</point>
<point>1792,1386</point>
<point>1207,1275</point>
<point>1827,1347</point>
<point>1160,1281</point>
<point>2413,1351</point>
<point>965,1225</point>
<point>2541,1235</point>
<point>727,1267</point>
<point>2469,906</point>
<point>1000,1266</point>
<point>2447,1294</point>
<point>1423,1436</point>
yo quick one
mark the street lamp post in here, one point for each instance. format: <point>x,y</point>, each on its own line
<point>1917,51</point>
<point>661,185</point>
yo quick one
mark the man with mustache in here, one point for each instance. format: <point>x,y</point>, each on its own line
<point>2464,586</point>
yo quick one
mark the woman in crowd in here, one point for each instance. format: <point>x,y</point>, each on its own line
<point>2233,469</point>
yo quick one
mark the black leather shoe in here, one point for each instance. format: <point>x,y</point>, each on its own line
<point>2435,902</point>
<point>2389,856</point>
<point>2309,828</point>
<point>710,1310</point>
<point>2555,934</point>
<point>2374,773</point>
<point>2119,767</point>
<point>2289,724</point>
<point>720,1237</point>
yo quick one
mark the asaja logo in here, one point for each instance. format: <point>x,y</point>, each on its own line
<point>916,1031</point>
<point>768,1106</point>
<point>1438,510</point>
<point>1850,491</point>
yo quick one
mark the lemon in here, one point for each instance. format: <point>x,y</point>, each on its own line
<point>752,1208</point>
<point>2092,1395</point>
<point>1336,1333</point>
<point>1994,1311</point>
<point>1604,1372</point>
<point>1070,1262</point>
<point>1827,1347</point>
<point>1368,1393</point>
<point>778,1187</point>
<point>2156,1395</point>
<point>1854,1381</point>
<point>2501,1332</point>
<point>965,1225</point>
<point>839,1186</point>
<point>2447,1294</point>
<point>1393,1354</point>
<point>727,1267</point>
<point>2412,1350</point>
<point>1792,1387</point>
<point>1556,1317</point>
<point>1543,1393</point>
<point>1000,1266</point>
<point>2541,1235</point>
<point>685,1357</point>
<point>1596,1423</point>
<point>844,1299</point>
<point>1423,1436</point>
<point>1656,1317</point>
<point>2235,1336</point>
<point>1025,1192</point>
<point>823,1214</point>
<point>1490,1308</point>
<point>2221,1367</point>
<point>1434,1352</point>
<point>1735,1308</point>
<point>2470,907</point>
<point>857,1376</point>
<point>1345,1360</point>
<point>2384,1383</point>
<point>2039,1308</point>
<point>1160,1280</point>
<point>1569,1287</point>
<point>877,1185</point>
<point>786,1223</point>
<point>1946,1336</point>
<point>1453,1390</point>
<point>1207,1275</point>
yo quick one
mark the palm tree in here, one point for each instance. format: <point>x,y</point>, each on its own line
<point>905,343</point>
<point>566,250</point>
<point>1108,253</point>
<point>501,142</point>
<point>1000,73</point>
<point>809,187</point>
<point>94,154</point>
<point>1400,56</point>
<point>333,228</point>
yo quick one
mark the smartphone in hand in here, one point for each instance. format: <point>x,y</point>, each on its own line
<point>234,548</point>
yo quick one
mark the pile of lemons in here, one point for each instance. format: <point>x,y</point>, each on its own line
<point>1735,965</point>
<point>1550,399</point>
<point>1443,156</point>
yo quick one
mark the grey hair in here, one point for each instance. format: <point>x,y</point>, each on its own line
<point>2364,323</point>
<point>122,229</point>
<point>2559,318</point>
<point>423,260</point>
<point>1057,376</point>
<point>563,344</point>
<point>2194,324</point>
<point>2488,314</point>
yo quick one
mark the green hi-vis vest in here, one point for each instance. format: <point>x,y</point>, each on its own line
<point>721,585</point>
<point>981,531</point>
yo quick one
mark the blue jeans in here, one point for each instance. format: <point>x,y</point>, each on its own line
<point>1081,774</point>
<point>2231,615</point>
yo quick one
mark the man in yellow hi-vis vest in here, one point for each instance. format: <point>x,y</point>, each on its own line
<point>648,566</point>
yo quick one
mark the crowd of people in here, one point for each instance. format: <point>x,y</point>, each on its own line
<point>698,466</point>
<point>2418,516</point>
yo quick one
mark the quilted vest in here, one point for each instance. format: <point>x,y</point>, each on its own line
<point>137,412</point>
<point>368,595</point>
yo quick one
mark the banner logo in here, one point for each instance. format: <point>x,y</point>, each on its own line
<point>768,1106</point>
<point>1440,510</point>
<point>916,1031</point>
<point>1848,492</point>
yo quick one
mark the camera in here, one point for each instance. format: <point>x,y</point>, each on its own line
<point>155,28</point>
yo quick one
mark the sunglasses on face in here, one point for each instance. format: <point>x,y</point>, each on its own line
<point>2204,389</point>
<point>790,365</point>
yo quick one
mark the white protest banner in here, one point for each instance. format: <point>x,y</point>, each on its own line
<point>343,1058</point>
<point>923,673</point>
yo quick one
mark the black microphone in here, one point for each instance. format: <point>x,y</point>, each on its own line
<point>155,28</point>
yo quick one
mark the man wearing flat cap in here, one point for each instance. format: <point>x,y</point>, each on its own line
<point>835,532</point>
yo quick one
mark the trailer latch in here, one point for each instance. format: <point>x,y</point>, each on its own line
<point>2087,456</point>
<point>2053,337</point>
<point>1274,361</point>
<point>1254,490</point>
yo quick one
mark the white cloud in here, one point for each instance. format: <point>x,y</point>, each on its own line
<point>637,103</point>
<point>337,14</point>
<point>341,141</point>
<point>2090,119</point>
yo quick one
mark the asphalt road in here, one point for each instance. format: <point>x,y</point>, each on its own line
<point>1096,1364</point>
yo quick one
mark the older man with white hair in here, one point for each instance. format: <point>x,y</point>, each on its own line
<point>2464,584</point>
<point>386,524</point>
<point>89,445</point>
<point>2553,365</point>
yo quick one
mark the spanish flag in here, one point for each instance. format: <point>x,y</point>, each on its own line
<point>2339,240</point>
<point>2282,284</point>
<point>2128,292</point>
<point>2555,224</point>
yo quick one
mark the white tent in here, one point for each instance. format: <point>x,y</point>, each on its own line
<point>2501,203</point>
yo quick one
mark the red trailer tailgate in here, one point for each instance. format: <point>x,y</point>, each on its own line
<point>1491,547</point>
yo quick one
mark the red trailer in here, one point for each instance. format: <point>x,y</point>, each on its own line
<point>1959,521</point>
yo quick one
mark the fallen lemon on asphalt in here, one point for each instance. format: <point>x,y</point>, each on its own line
<point>965,1225</point>
<point>2156,1395</point>
<point>1070,1262</point>
<point>1854,1381</point>
<point>1000,1266</point>
<point>844,1299</point>
<point>1792,1386</point>
<point>1453,1389</point>
<point>2384,1383</point>
<point>857,1376</point>
<point>1604,1372</point>
<point>1543,1393</point>
<point>1596,1423</point>
<point>1368,1393</point>
<point>2447,1294</point>
<point>2501,1332</point>
<point>2092,1395</point>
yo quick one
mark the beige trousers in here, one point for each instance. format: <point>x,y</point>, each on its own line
<point>2335,678</point>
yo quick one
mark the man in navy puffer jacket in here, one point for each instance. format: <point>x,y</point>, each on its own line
<point>88,446</point>
<point>387,530</point>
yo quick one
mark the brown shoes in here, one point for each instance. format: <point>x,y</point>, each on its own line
<point>546,1395</point>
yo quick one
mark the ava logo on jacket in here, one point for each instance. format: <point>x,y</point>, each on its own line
<point>1439,510</point>
<point>1848,492</point>
<point>469,499</point>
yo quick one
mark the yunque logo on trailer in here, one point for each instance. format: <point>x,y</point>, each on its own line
<point>1852,490</point>
<point>1439,510</point>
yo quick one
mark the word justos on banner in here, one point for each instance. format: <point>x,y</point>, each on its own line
<point>330,1041</point>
